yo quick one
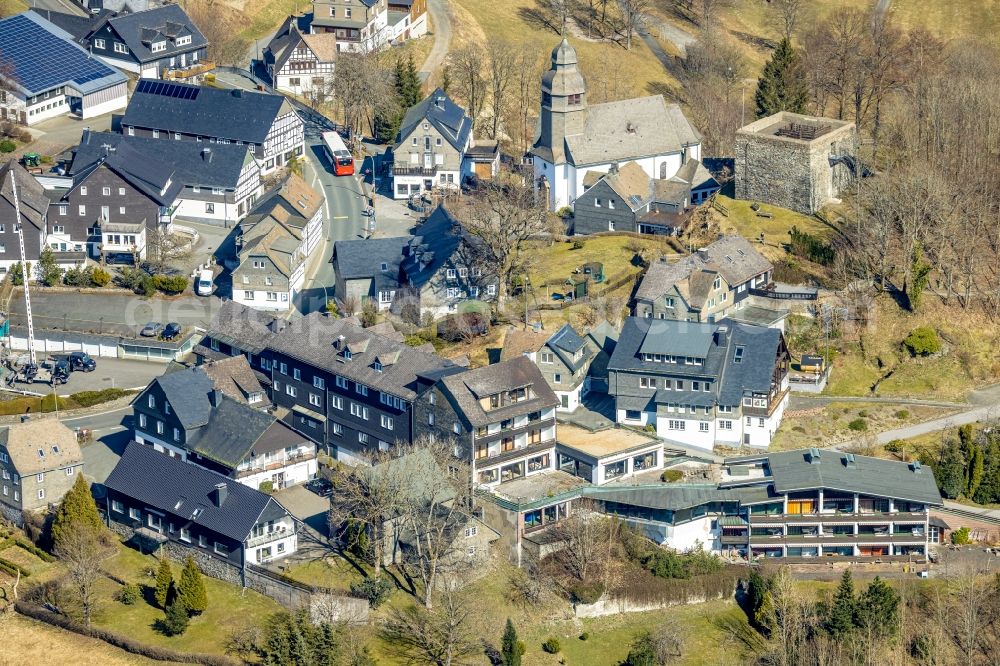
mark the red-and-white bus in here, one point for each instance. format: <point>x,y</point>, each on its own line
<point>340,156</point>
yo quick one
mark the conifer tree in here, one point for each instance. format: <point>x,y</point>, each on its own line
<point>175,620</point>
<point>77,509</point>
<point>841,619</point>
<point>989,489</point>
<point>878,610</point>
<point>782,85</point>
<point>412,90</point>
<point>950,470</point>
<point>191,588</point>
<point>164,584</point>
<point>510,652</point>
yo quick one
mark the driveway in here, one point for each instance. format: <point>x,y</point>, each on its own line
<point>113,373</point>
<point>308,507</point>
<point>101,456</point>
<point>441,28</point>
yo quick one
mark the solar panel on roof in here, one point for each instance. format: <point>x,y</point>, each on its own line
<point>164,89</point>
<point>42,60</point>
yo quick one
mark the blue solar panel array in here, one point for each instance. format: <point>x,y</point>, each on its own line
<point>176,90</point>
<point>41,60</point>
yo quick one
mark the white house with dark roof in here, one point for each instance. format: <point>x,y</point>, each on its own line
<point>700,384</point>
<point>52,75</point>
<point>33,205</point>
<point>155,43</point>
<point>267,124</point>
<point>359,25</point>
<point>299,61</point>
<point>712,283</point>
<point>435,148</point>
<point>576,137</point>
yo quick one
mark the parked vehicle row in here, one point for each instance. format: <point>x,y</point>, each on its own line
<point>155,329</point>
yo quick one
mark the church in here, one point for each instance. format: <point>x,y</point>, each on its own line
<point>575,137</point>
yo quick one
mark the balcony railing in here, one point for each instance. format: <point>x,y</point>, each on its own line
<point>274,464</point>
<point>765,411</point>
<point>804,539</point>
<point>799,518</point>
<point>408,170</point>
<point>280,532</point>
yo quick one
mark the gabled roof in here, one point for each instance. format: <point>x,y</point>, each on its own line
<point>187,392</point>
<point>359,259</point>
<point>236,431</point>
<point>139,30</point>
<point>236,379</point>
<point>316,340</point>
<point>31,197</point>
<point>440,111</point>
<point>469,387</point>
<point>42,56</point>
<point>735,258</point>
<point>439,241</point>
<point>155,179</point>
<point>186,490</point>
<point>243,327</point>
<point>295,31</point>
<point>792,470</point>
<point>40,445</point>
<point>193,164</point>
<point>234,114</point>
<point>79,27</point>
<point>519,342</point>
<point>629,129</point>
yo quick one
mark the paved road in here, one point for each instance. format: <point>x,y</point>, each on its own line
<point>681,39</point>
<point>441,25</point>
<point>64,6</point>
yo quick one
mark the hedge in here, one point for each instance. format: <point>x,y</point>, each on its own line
<point>129,645</point>
<point>91,398</point>
<point>13,568</point>
<point>34,550</point>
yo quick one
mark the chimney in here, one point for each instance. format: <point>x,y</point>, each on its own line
<point>915,466</point>
<point>813,456</point>
<point>339,342</point>
<point>613,169</point>
<point>219,494</point>
<point>849,461</point>
<point>439,101</point>
<point>702,254</point>
<point>215,397</point>
<point>206,154</point>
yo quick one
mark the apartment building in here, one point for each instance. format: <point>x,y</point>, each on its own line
<point>39,462</point>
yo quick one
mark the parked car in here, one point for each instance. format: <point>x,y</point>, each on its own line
<point>151,330</point>
<point>203,283</point>
<point>79,360</point>
<point>320,486</point>
<point>172,330</point>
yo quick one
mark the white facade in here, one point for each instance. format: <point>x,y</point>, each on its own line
<point>303,72</point>
<point>566,180</point>
<point>286,135</point>
<point>291,474</point>
<point>276,301</point>
<point>570,400</point>
<point>407,186</point>
<point>271,542</point>
<point>417,28</point>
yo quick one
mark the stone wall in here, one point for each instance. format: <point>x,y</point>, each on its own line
<point>608,606</point>
<point>792,173</point>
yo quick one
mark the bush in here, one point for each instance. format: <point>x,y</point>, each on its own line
<point>91,398</point>
<point>895,446</point>
<point>584,636</point>
<point>170,284</point>
<point>266,487</point>
<point>586,593</point>
<point>577,244</point>
<point>12,568</point>
<point>858,425</point>
<point>565,212</point>
<point>147,287</point>
<point>175,620</point>
<point>129,595</point>
<point>131,278</point>
<point>922,341</point>
<point>375,590</point>
<point>34,550</point>
<point>810,247</point>
<point>960,537</point>
<point>456,328</point>
<point>551,646</point>
<point>7,146</point>
<point>902,414</point>
<point>671,476</point>
<point>100,277</point>
<point>863,413</point>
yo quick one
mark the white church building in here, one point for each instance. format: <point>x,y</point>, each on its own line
<point>575,137</point>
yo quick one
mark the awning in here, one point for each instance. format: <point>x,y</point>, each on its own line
<point>316,416</point>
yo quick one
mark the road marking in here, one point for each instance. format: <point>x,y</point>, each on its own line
<point>340,217</point>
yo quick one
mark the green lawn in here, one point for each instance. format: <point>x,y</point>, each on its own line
<point>332,572</point>
<point>554,263</point>
<point>229,607</point>
<point>744,221</point>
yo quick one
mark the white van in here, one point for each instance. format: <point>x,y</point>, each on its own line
<point>203,283</point>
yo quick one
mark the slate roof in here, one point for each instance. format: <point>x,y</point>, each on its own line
<point>357,259</point>
<point>79,27</point>
<point>243,327</point>
<point>42,56</point>
<point>671,497</point>
<point>154,178</point>
<point>187,392</point>
<point>57,443</point>
<point>735,259</point>
<point>236,431</point>
<point>440,111</point>
<point>469,387</point>
<point>629,129</point>
<point>791,471</point>
<point>565,343</point>
<point>140,29</point>
<point>438,242</point>
<point>730,379</point>
<point>295,31</point>
<point>236,379</point>
<point>31,198</point>
<point>312,339</point>
<point>238,115</point>
<point>220,166</point>
<point>631,182</point>
<point>179,488</point>
<point>519,342</point>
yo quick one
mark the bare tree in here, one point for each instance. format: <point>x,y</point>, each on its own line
<point>363,84</point>
<point>442,637</point>
<point>467,65</point>
<point>436,512</point>
<point>504,214</point>
<point>633,17</point>
<point>371,496</point>
<point>501,62</point>
<point>83,549</point>
<point>974,611</point>
<point>222,29</point>
<point>524,91</point>
<point>789,14</point>
<point>586,536</point>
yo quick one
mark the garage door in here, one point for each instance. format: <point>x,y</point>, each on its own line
<point>92,349</point>
<point>108,351</point>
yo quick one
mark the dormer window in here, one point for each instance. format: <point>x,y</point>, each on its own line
<point>738,355</point>
<point>158,46</point>
<point>182,41</point>
<point>347,354</point>
<point>377,366</point>
<point>384,266</point>
<point>575,99</point>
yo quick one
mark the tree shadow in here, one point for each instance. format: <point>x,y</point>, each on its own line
<point>536,17</point>
<point>665,89</point>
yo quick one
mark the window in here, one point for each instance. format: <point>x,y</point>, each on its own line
<point>296,373</point>
<point>156,134</point>
<point>725,425</point>
<point>82,210</point>
<point>336,402</point>
<point>63,209</point>
<point>291,390</point>
<point>135,514</point>
<point>158,46</point>
<point>342,382</point>
<point>83,190</point>
<point>702,426</point>
<point>142,420</point>
<point>159,427</point>
<point>675,424</point>
<point>106,191</point>
<point>117,506</point>
<point>338,429</point>
<point>611,225</point>
<point>221,548</point>
<point>177,435</point>
<point>202,541</point>
<point>430,418</point>
<point>210,207</point>
<point>121,210</point>
<point>386,422</point>
<point>647,382</point>
<point>363,437</point>
<point>633,415</point>
<point>360,388</point>
<point>185,534</point>
<point>738,354</point>
<point>491,289</point>
<point>471,531</point>
<point>315,400</point>
<point>557,378</point>
<point>611,204</point>
<point>98,43</point>
<point>760,422</point>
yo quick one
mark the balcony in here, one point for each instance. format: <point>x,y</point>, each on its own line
<point>274,464</point>
<point>279,532</point>
<point>515,454</point>
<point>835,518</point>
<point>187,72</point>
<point>733,539</point>
<point>765,411</point>
<point>413,170</point>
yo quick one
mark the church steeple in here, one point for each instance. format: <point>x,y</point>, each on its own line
<point>564,102</point>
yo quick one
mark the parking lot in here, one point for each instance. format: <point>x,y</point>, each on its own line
<point>113,373</point>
